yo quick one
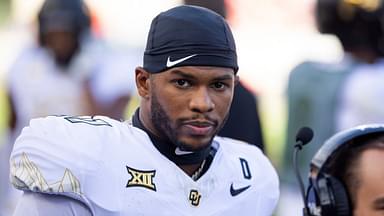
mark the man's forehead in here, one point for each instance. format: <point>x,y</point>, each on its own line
<point>368,159</point>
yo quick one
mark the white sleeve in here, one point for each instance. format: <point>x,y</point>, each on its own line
<point>37,204</point>
<point>58,155</point>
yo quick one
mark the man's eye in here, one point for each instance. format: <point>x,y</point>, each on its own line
<point>182,83</point>
<point>219,85</point>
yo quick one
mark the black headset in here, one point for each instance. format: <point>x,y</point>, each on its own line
<point>327,195</point>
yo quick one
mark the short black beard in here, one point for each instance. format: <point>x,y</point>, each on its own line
<point>162,124</point>
<point>161,121</point>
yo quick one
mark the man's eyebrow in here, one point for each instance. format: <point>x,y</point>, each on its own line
<point>224,77</point>
<point>181,73</point>
<point>378,203</point>
<point>186,75</point>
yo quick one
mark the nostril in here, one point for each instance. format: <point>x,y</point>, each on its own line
<point>201,107</point>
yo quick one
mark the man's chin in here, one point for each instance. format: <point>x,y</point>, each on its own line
<point>195,144</point>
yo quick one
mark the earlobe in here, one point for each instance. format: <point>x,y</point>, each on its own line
<point>142,82</point>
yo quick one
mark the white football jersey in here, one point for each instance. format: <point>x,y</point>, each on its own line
<point>114,169</point>
<point>40,88</point>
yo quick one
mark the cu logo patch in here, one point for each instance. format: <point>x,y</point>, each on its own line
<point>194,197</point>
<point>141,178</point>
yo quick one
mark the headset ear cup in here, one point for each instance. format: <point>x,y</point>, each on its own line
<point>312,202</point>
<point>340,194</point>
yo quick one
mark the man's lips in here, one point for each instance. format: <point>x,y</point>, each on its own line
<point>199,128</point>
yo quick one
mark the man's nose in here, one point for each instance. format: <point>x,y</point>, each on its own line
<point>202,101</point>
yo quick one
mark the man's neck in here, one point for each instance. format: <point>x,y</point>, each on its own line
<point>190,169</point>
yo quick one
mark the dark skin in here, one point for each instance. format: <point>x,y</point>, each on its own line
<point>63,44</point>
<point>195,101</point>
<point>365,55</point>
<point>369,194</point>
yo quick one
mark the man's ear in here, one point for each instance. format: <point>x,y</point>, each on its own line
<point>142,82</point>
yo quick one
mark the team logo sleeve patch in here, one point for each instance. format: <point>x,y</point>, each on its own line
<point>26,175</point>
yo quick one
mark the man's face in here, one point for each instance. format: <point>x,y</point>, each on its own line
<point>63,44</point>
<point>370,193</point>
<point>189,105</point>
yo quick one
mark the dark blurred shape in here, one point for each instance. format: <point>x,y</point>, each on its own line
<point>62,24</point>
<point>304,136</point>
<point>243,121</point>
<point>357,24</point>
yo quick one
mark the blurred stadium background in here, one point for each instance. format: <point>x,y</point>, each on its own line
<point>272,37</point>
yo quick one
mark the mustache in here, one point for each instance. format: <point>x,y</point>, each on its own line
<point>202,119</point>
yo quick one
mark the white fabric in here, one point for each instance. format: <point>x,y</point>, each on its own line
<point>362,97</point>
<point>8,194</point>
<point>115,77</point>
<point>88,160</point>
<point>39,87</point>
<point>36,204</point>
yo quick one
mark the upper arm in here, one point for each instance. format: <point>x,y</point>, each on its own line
<point>37,204</point>
<point>56,155</point>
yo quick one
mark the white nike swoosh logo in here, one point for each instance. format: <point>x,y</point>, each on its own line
<point>173,63</point>
<point>181,152</point>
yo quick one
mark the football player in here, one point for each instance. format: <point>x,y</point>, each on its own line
<point>61,73</point>
<point>168,159</point>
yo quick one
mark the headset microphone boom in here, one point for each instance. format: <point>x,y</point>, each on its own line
<point>303,136</point>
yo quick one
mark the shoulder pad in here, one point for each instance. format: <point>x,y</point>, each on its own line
<point>55,154</point>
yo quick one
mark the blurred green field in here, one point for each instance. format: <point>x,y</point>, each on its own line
<point>274,129</point>
<point>3,112</point>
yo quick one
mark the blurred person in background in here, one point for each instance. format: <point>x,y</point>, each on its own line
<point>243,122</point>
<point>329,97</point>
<point>69,71</point>
<point>345,178</point>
